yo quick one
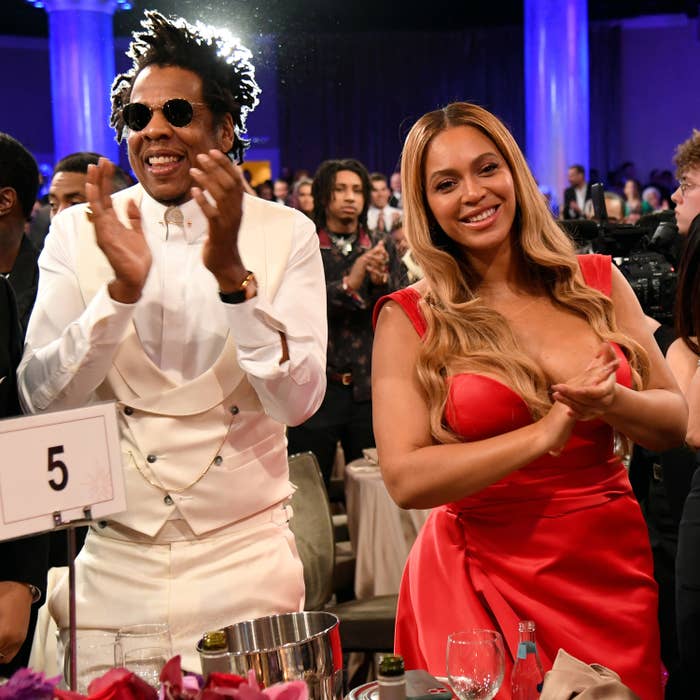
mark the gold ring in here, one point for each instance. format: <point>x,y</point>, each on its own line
<point>89,214</point>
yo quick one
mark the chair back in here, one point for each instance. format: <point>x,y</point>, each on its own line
<point>312,526</point>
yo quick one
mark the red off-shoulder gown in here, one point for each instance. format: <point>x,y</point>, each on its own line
<point>561,541</point>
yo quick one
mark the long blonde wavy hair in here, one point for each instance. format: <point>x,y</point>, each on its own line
<point>464,335</point>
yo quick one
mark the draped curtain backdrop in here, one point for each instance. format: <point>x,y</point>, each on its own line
<point>357,94</point>
<point>606,95</point>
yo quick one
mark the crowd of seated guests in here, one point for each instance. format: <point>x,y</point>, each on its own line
<point>621,187</point>
<point>651,196</point>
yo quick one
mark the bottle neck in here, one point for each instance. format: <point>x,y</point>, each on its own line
<point>526,647</point>
<point>526,639</point>
<point>526,634</point>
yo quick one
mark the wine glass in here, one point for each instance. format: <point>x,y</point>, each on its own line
<point>94,657</point>
<point>146,663</point>
<point>475,663</point>
<point>143,649</point>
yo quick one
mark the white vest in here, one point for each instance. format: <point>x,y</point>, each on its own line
<point>185,426</point>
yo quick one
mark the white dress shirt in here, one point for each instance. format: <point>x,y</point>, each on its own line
<point>581,196</point>
<point>388,213</point>
<point>180,320</point>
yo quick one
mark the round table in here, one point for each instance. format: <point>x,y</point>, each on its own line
<point>381,533</point>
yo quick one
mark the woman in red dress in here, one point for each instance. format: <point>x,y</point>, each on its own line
<point>499,384</point>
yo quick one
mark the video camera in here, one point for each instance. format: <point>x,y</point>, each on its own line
<point>647,252</point>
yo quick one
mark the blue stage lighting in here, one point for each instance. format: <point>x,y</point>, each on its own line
<point>116,4</point>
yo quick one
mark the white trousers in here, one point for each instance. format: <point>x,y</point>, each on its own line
<point>245,571</point>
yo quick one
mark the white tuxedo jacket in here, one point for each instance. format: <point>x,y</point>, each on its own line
<point>179,435</point>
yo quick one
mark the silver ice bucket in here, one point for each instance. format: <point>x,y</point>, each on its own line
<point>292,646</point>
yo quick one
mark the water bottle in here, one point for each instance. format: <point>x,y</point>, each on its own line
<point>527,676</point>
<point>391,678</point>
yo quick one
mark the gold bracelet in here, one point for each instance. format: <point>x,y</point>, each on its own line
<point>246,281</point>
<point>240,295</point>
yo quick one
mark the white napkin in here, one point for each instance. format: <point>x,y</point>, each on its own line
<point>570,677</point>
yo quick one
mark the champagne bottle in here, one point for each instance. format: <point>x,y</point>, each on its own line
<point>392,678</point>
<point>214,652</point>
<point>527,676</point>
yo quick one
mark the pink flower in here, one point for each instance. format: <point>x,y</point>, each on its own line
<point>224,685</point>
<point>122,684</point>
<point>175,686</point>
<point>116,684</point>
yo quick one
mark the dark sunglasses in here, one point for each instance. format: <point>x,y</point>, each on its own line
<point>178,112</point>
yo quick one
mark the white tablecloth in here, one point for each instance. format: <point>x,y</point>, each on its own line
<point>381,533</point>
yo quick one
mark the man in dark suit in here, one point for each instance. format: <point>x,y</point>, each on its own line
<point>577,194</point>
<point>67,189</point>
<point>19,183</point>
<point>23,562</point>
<point>396,199</point>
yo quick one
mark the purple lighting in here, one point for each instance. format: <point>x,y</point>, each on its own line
<point>556,89</point>
<point>81,43</point>
<point>119,4</point>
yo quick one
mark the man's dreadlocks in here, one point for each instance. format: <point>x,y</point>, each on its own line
<point>222,63</point>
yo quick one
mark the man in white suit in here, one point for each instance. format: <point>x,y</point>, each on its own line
<point>201,311</point>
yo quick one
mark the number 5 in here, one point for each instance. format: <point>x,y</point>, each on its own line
<point>57,464</point>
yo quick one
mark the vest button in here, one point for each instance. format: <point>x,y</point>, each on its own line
<point>102,524</point>
<point>218,459</point>
<point>151,458</point>
<point>128,410</point>
<point>235,410</point>
<point>168,500</point>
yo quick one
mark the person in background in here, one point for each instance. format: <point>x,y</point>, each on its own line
<point>498,384</point>
<point>395,185</point>
<point>196,308</point>
<point>661,482</point>
<point>410,269</point>
<point>381,216</point>
<point>652,196</point>
<point>264,190</point>
<point>280,190</point>
<point>577,194</point>
<point>635,206</point>
<point>23,562</point>
<point>19,182</point>
<point>684,359</point>
<point>302,198</point>
<point>614,206</point>
<point>359,267</point>
<point>67,188</point>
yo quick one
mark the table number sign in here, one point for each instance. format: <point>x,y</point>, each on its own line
<point>57,467</point>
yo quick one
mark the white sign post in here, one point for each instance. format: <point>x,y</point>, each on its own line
<point>60,469</point>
